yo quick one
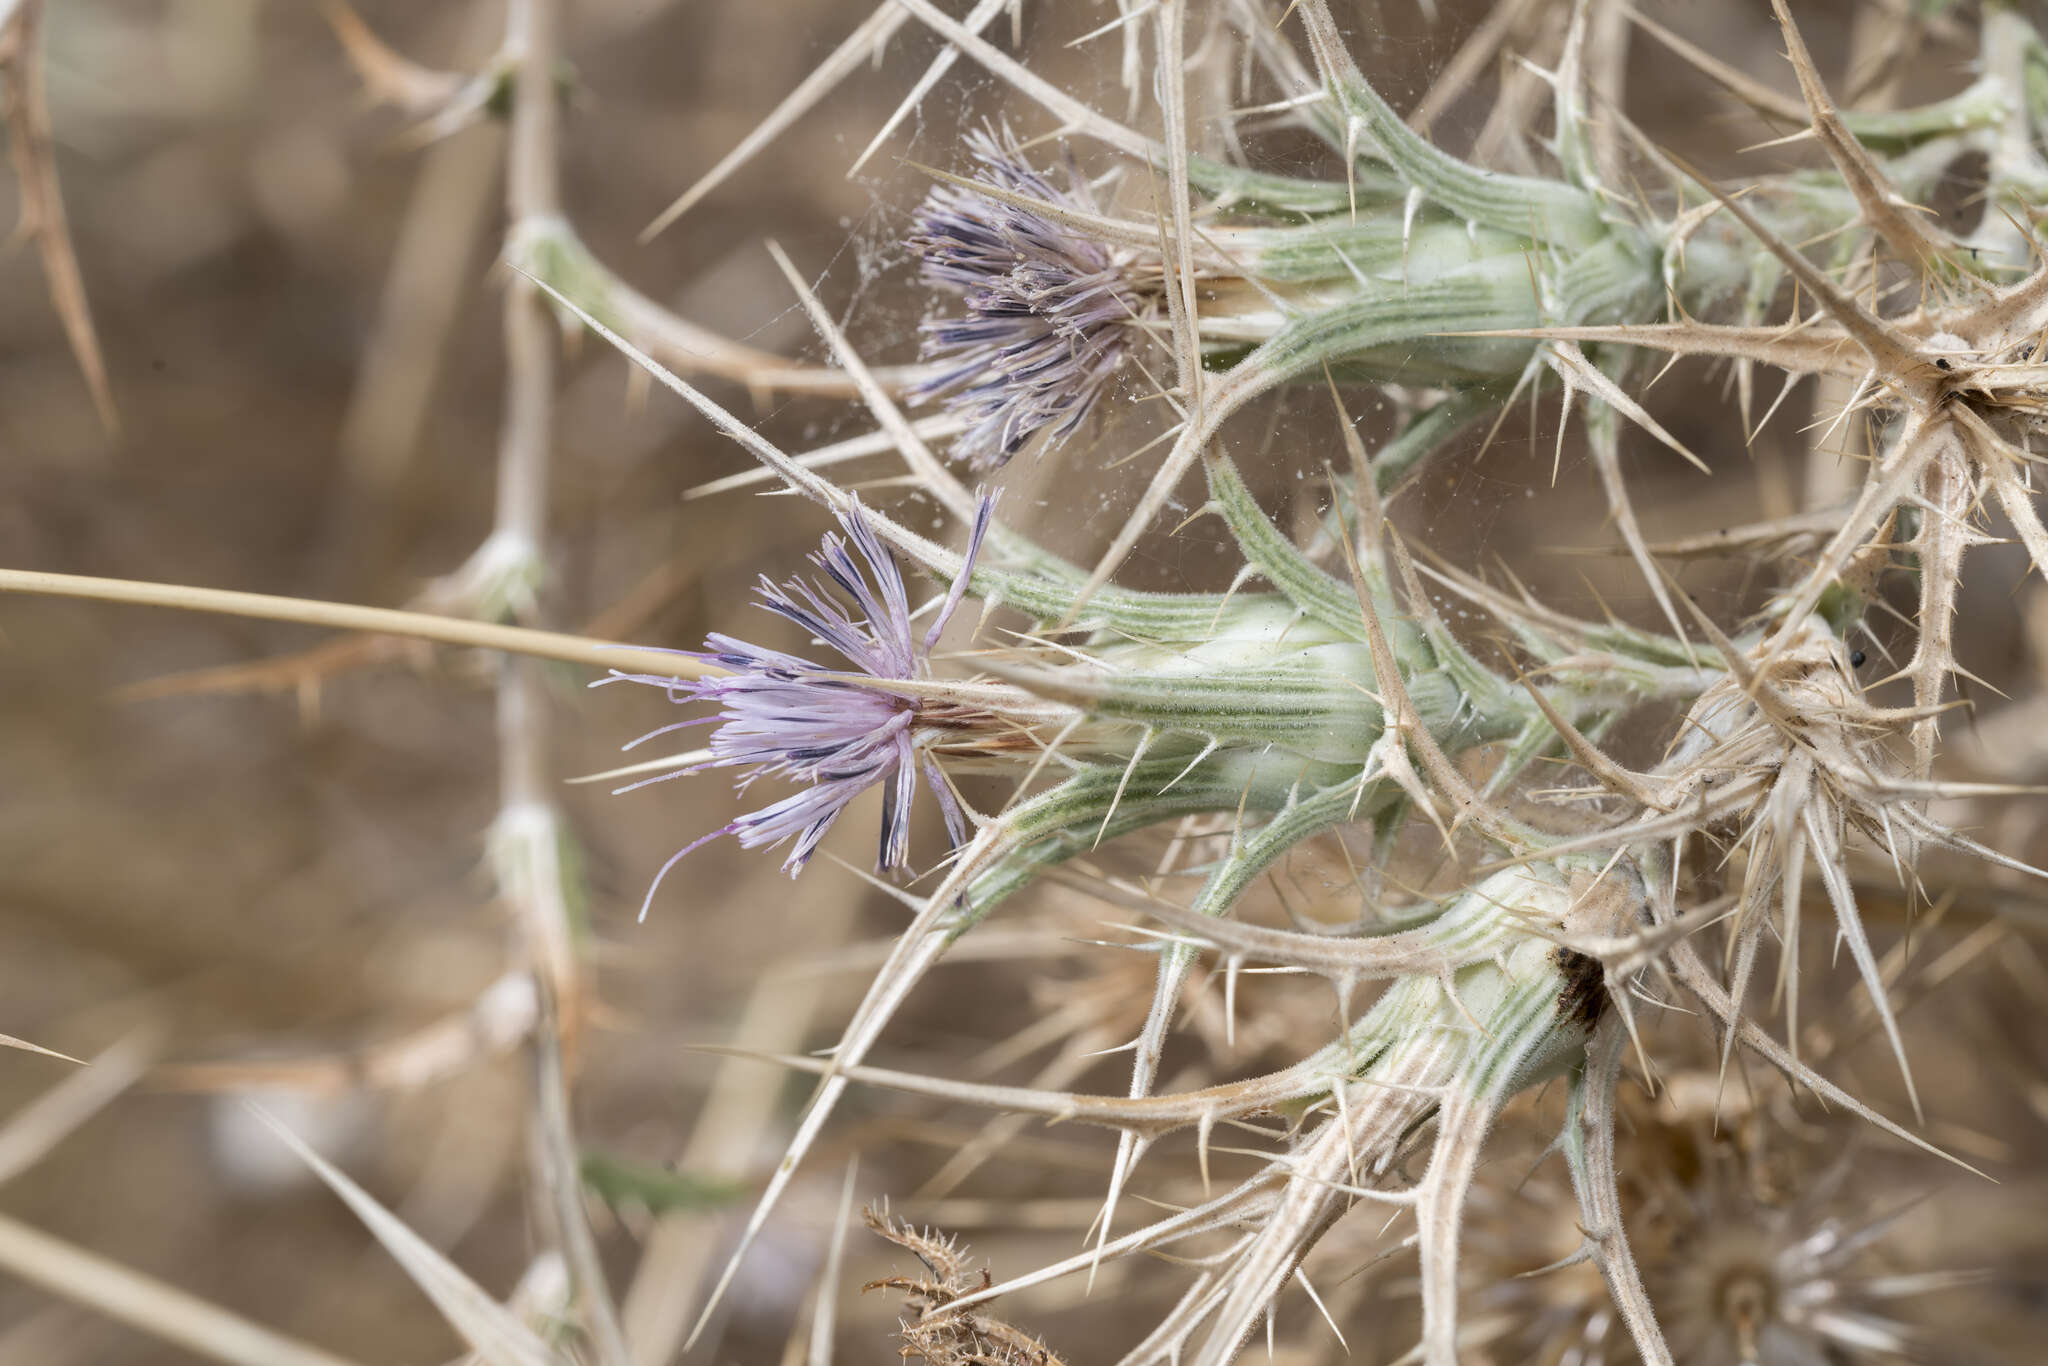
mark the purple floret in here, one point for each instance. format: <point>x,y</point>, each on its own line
<point>784,716</point>
<point>1049,311</point>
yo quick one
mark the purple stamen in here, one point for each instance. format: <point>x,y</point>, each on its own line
<point>1048,310</point>
<point>785,716</point>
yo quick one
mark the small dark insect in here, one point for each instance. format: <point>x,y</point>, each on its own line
<point>1856,658</point>
<point>1585,988</point>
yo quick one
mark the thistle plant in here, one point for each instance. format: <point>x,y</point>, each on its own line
<point>1477,285</point>
<point>1536,842</point>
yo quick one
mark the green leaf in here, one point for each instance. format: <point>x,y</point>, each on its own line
<point>623,1183</point>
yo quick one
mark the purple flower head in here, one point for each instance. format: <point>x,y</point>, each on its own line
<point>816,724</point>
<point>1049,311</point>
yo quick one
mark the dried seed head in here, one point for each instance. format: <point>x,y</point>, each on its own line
<point>932,1332</point>
<point>1789,754</point>
<point>1753,1244</point>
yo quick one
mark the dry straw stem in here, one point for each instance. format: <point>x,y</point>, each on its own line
<point>502,1016</point>
<point>24,105</point>
<point>863,44</point>
<point>385,418</point>
<point>38,1127</point>
<point>148,1304</point>
<point>486,1325</point>
<point>341,616</point>
<point>96,1282</point>
<point>737,1116</point>
<point>389,77</point>
<point>431,261</point>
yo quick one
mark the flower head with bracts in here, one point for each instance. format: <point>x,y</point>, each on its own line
<point>1048,310</point>
<point>825,726</point>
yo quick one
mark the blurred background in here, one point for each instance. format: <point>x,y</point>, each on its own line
<point>242,844</point>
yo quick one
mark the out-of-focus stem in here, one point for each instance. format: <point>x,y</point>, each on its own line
<point>1468,63</point>
<point>532,196</point>
<point>148,1304</point>
<point>430,271</point>
<point>554,1140</point>
<point>527,819</point>
<point>25,106</point>
<point>550,252</point>
<point>1607,75</point>
<point>739,1110</point>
